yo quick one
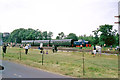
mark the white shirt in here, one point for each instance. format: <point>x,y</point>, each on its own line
<point>98,48</point>
<point>26,47</point>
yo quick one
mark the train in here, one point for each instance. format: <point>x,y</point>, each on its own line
<point>62,42</point>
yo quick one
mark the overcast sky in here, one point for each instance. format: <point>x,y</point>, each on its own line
<point>68,16</point>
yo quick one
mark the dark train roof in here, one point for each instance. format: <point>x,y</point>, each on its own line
<point>40,40</point>
<point>62,40</point>
<point>46,40</point>
<point>27,41</point>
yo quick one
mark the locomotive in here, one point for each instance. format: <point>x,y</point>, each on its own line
<point>62,42</point>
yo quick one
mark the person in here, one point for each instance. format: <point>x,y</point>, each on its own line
<point>111,47</point>
<point>80,46</point>
<point>56,48</point>
<point>46,52</point>
<point>21,46</point>
<point>4,48</point>
<point>117,48</point>
<point>26,49</point>
<point>99,50</point>
<point>94,50</point>
<point>53,48</point>
<point>104,45</point>
<point>41,48</point>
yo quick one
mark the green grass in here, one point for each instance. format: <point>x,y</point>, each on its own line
<point>91,48</point>
<point>68,63</point>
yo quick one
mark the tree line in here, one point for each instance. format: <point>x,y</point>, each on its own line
<point>102,35</point>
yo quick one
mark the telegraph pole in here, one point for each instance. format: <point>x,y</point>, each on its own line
<point>118,28</point>
<point>118,22</point>
<point>119,38</point>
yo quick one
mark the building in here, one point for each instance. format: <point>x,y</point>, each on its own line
<point>6,34</point>
<point>1,42</point>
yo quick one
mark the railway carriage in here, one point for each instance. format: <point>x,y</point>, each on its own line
<point>37,42</point>
<point>62,42</point>
<point>28,42</point>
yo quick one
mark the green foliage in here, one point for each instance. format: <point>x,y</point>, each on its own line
<point>28,34</point>
<point>96,38</point>
<point>107,35</point>
<point>117,39</point>
<point>60,36</point>
<point>50,34</point>
<point>87,38</point>
<point>0,35</point>
<point>47,36</point>
<point>4,38</point>
<point>72,36</point>
<point>44,35</point>
<point>57,37</point>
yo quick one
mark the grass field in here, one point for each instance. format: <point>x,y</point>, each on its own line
<point>68,63</point>
<point>103,48</point>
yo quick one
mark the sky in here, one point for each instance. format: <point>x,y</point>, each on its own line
<point>68,16</point>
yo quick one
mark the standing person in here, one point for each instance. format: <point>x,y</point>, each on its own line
<point>80,46</point>
<point>41,48</point>
<point>56,48</point>
<point>53,48</point>
<point>4,48</point>
<point>26,49</point>
<point>111,47</point>
<point>94,50</point>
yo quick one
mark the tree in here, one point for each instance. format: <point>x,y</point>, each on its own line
<point>28,34</point>
<point>117,39</point>
<point>60,36</point>
<point>50,34</point>
<point>57,37</point>
<point>107,36</point>
<point>96,38</point>
<point>44,35</point>
<point>87,38</point>
<point>72,36</point>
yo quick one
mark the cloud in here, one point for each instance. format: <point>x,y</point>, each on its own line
<point>77,16</point>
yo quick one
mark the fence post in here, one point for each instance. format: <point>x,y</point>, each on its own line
<point>20,53</point>
<point>42,58</point>
<point>83,65</point>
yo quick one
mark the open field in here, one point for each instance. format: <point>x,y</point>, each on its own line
<point>103,48</point>
<point>68,63</point>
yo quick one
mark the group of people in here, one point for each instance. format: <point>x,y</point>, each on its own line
<point>97,49</point>
<point>4,48</point>
<point>54,48</point>
<point>27,46</point>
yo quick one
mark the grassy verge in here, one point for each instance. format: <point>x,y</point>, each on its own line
<point>68,63</point>
<point>103,48</point>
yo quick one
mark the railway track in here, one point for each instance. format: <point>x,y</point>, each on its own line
<point>73,49</point>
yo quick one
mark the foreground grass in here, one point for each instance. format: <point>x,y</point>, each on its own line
<point>68,63</point>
